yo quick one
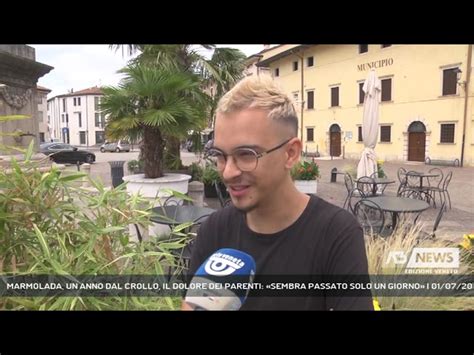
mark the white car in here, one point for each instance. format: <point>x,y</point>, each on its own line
<point>120,146</point>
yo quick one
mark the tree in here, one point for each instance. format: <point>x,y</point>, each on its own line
<point>151,102</point>
<point>216,75</point>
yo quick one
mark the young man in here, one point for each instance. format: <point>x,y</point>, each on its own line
<point>285,231</point>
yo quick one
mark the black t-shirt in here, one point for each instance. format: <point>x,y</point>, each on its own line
<point>324,240</point>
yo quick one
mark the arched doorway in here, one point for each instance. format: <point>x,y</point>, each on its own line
<point>416,141</point>
<point>335,140</point>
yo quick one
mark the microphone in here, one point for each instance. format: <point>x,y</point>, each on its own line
<point>214,287</point>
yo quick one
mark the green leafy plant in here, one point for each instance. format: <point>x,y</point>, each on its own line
<point>49,226</point>
<point>135,166</point>
<point>305,170</point>
<point>210,175</point>
<point>196,171</point>
<point>380,171</point>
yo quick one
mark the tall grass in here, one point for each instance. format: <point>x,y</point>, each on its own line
<point>404,238</point>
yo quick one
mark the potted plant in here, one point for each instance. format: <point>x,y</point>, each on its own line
<point>380,171</point>
<point>210,176</point>
<point>305,175</point>
<point>135,166</point>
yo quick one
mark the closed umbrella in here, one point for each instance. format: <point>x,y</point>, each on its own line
<point>370,125</point>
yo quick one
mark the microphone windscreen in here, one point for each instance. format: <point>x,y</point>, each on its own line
<point>216,285</point>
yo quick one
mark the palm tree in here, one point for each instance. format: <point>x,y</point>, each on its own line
<point>150,103</point>
<point>217,75</point>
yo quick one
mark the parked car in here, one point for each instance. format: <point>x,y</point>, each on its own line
<point>120,146</point>
<point>66,153</point>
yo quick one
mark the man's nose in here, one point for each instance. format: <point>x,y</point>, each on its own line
<point>230,169</point>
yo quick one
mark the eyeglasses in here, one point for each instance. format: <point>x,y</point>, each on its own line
<point>246,159</point>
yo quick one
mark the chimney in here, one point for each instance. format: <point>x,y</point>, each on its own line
<point>266,46</point>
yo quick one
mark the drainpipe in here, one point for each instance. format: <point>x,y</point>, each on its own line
<point>302,95</point>
<point>466,97</point>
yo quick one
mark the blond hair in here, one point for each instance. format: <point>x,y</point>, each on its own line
<point>261,92</point>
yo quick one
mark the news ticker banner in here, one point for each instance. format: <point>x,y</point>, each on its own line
<point>260,286</point>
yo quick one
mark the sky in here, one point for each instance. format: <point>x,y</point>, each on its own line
<point>80,67</point>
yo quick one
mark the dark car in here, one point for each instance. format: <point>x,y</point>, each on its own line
<point>66,153</point>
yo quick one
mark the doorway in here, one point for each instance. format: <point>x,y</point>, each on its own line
<point>335,140</point>
<point>416,141</point>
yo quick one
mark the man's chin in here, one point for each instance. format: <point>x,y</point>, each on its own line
<point>244,207</point>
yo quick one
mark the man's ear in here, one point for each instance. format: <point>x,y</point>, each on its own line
<point>293,152</point>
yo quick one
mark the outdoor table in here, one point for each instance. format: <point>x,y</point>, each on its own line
<point>396,205</point>
<point>421,175</point>
<point>375,182</point>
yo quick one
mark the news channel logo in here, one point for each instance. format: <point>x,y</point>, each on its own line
<point>425,260</point>
<point>221,264</point>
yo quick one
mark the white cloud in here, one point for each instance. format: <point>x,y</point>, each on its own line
<point>82,66</point>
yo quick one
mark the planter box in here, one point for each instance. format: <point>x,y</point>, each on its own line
<point>210,191</point>
<point>307,186</point>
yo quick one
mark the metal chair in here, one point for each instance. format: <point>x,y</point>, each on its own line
<point>354,194</point>
<point>223,197</point>
<point>371,217</point>
<point>432,234</point>
<point>365,184</point>
<point>402,178</point>
<point>349,183</point>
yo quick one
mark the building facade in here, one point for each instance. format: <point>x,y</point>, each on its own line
<point>19,74</point>
<point>426,98</point>
<point>75,118</point>
<point>43,118</point>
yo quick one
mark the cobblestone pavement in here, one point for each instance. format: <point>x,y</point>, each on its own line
<point>456,221</point>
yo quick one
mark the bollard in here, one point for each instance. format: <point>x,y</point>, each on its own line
<point>116,170</point>
<point>87,169</point>
<point>333,175</point>
<point>196,192</point>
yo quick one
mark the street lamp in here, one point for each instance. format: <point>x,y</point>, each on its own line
<point>458,73</point>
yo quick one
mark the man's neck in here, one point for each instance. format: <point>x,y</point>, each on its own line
<point>279,213</point>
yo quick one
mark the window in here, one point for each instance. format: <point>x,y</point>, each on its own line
<point>49,119</point>
<point>295,96</point>
<point>385,133</point>
<point>447,133</point>
<point>295,66</point>
<point>97,119</point>
<point>102,121</point>
<point>79,119</point>
<point>82,137</point>
<point>361,93</point>
<point>78,101</point>
<point>39,99</point>
<point>41,137</point>
<point>67,118</point>
<point>363,48</point>
<point>64,105</point>
<point>386,89</point>
<point>449,81</point>
<point>99,137</point>
<point>359,134</point>
<point>96,103</point>
<point>74,102</point>
<point>310,97</point>
<point>277,71</point>
<point>310,61</point>
<point>335,96</point>
<point>386,45</point>
<point>310,134</point>
<point>40,116</point>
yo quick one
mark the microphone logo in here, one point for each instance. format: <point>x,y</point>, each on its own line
<point>221,264</point>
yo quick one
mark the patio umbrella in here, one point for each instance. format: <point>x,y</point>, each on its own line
<point>370,124</point>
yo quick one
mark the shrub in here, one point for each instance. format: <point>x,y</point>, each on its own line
<point>305,170</point>
<point>50,227</point>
